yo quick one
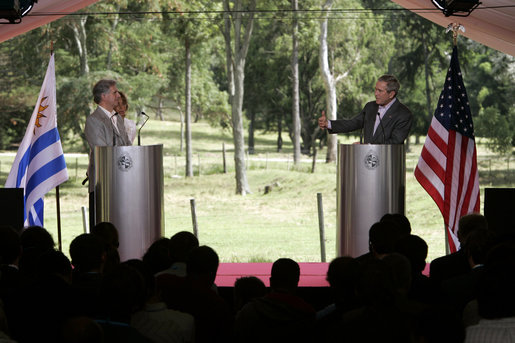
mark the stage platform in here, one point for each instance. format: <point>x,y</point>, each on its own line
<point>313,286</point>
<point>312,274</point>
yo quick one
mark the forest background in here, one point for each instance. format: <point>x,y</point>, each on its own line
<point>253,72</point>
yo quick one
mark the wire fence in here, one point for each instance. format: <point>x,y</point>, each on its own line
<point>260,223</point>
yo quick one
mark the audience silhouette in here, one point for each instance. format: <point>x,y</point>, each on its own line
<point>280,315</point>
<point>108,233</point>
<point>170,295</point>
<point>448,266</point>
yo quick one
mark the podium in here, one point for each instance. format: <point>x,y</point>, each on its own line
<point>129,194</point>
<point>371,182</point>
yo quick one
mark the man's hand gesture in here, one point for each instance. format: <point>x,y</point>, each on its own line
<point>322,121</point>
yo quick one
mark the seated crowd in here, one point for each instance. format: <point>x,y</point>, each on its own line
<point>170,295</point>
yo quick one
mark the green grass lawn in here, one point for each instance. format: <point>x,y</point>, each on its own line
<point>255,227</point>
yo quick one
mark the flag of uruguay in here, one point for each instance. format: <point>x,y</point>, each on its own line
<point>39,165</point>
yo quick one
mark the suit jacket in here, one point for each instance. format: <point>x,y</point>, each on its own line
<point>449,266</point>
<point>396,124</point>
<point>100,131</point>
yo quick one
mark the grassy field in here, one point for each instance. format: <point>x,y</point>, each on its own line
<point>258,227</point>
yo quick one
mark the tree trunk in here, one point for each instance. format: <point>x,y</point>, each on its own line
<point>236,72</point>
<point>251,132</point>
<point>79,34</point>
<point>159,111</point>
<point>295,87</point>
<point>329,83</point>
<point>113,30</point>
<point>242,186</point>
<point>426,74</point>
<point>181,118</point>
<point>187,93</point>
<point>279,133</point>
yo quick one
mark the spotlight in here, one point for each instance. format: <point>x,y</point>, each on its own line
<point>14,10</point>
<point>459,8</point>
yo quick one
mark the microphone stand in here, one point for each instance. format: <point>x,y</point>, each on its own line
<point>382,127</point>
<point>112,127</point>
<point>139,137</point>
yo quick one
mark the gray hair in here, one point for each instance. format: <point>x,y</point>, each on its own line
<point>102,87</point>
<point>392,84</point>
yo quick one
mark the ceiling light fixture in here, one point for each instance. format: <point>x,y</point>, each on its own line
<point>459,8</point>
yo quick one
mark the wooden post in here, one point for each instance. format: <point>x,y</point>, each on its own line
<point>76,167</point>
<point>314,163</point>
<point>321,226</point>
<point>85,225</point>
<point>223,155</point>
<point>194,217</point>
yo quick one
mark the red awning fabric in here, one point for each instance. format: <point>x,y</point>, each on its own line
<point>38,16</point>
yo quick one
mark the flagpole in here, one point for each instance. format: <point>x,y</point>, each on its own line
<point>57,197</point>
<point>455,28</point>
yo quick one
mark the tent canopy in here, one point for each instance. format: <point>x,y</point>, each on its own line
<point>493,26</point>
<point>38,16</point>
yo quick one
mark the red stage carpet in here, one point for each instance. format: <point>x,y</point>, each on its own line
<point>311,274</point>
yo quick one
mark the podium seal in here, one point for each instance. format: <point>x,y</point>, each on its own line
<point>371,160</point>
<point>124,162</point>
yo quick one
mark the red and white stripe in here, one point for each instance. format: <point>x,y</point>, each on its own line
<point>447,170</point>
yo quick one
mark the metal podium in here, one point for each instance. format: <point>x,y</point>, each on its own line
<point>371,182</point>
<point>129,194</point>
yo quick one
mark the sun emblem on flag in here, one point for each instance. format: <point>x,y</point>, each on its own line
<point>40,113</point>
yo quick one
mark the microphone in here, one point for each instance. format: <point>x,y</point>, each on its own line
<point>139,137</point>
<point>382,127</point>
<point>112,127</point>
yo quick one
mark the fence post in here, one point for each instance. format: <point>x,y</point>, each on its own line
<point>321,226</point>
<point>85,225</point>
<point>194,217</point>
<point>223,153</point>
<point>314,163</point>
<point>76,167</point>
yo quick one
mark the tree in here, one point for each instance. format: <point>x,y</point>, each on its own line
<point>329,81</point>
<point>295,85</point>
<point>80,36</point>
<point>350,55</point>
<point>489,77</point>
<point>191,32</point>
<point>240,24</point>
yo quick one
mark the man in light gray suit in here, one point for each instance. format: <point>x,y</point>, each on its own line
<point>104,127</point>
<point>384,121</point>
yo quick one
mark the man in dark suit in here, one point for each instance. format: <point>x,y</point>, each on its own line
<point>104,127</point>
<point>384,121</point>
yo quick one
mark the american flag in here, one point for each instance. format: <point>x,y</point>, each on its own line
<point>447,167</point>
<point>39,165</point>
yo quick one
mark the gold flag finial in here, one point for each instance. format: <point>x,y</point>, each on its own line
<point>455,27</point>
